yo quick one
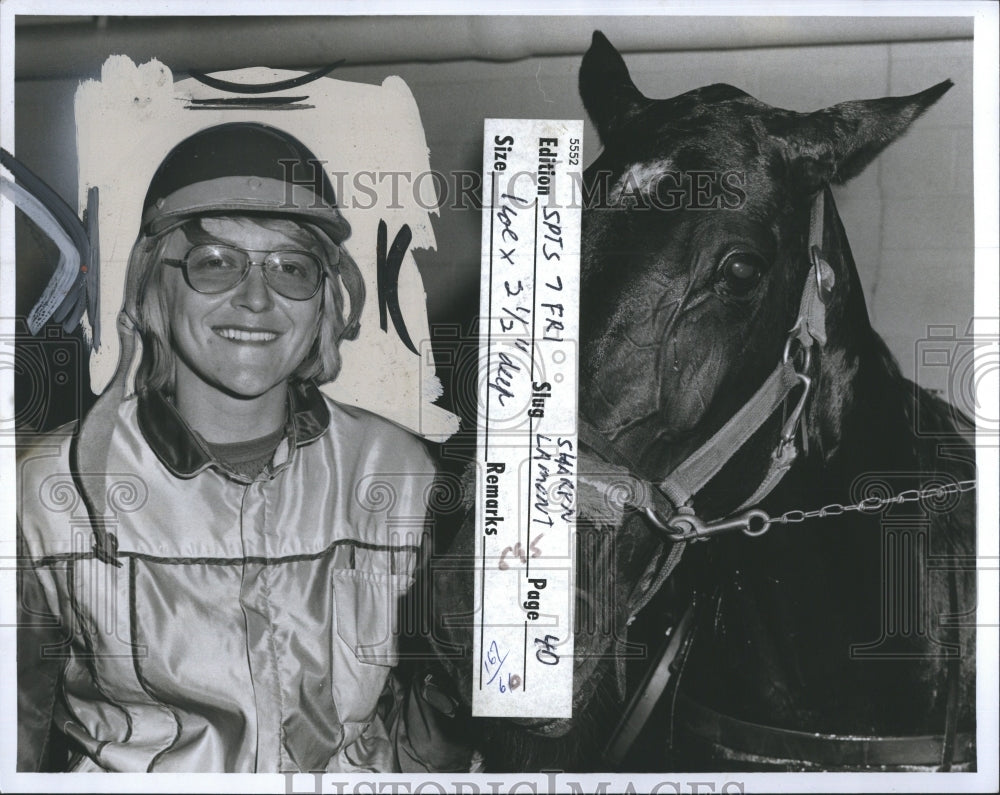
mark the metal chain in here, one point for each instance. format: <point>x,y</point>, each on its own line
<point>876,504</point>
<point>686,526</point>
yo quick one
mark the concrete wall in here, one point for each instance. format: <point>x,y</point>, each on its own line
<point>909,216</point>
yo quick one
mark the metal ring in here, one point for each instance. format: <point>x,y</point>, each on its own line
<point>760,515</point>
<point>806,350</point>
<point>666,529</point>
<point>654,517</point>
<point>667,526</point>
<point>788,343</point>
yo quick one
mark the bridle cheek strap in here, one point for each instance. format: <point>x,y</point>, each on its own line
<point>703,464</point>
<point>809,328</point>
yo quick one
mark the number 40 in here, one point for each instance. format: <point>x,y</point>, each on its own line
<point>546,653</point>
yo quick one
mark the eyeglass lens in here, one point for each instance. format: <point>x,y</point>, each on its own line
<point>216,268</point>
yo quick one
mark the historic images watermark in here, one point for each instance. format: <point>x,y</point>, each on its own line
<point>549,781</point>
<point>463,190</point>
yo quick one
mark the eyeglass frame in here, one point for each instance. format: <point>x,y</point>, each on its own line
<point>183,265</point>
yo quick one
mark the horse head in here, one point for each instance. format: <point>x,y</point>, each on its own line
<point>712,258</point>
<point>696,252</point>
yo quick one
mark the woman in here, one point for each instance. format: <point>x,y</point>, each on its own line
<point>211,590</point>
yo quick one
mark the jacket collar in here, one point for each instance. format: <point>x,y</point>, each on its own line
<point>183,453</point>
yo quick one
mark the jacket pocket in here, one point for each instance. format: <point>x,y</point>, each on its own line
<point>367,608</point>
<point>364,646</point>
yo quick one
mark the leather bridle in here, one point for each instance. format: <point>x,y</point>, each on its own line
<point>667,503</point>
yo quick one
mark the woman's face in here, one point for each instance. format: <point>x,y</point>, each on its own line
<point>249,339</point>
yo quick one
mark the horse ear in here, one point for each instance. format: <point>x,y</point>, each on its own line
<point>609,95</point>
<point>843,139</point>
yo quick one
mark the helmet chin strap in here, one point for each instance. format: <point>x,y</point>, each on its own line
<point>90,450</point>
<point>89,453</point>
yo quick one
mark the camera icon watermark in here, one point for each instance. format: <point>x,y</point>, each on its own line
<point>966,363</point>
<point>47,383</point>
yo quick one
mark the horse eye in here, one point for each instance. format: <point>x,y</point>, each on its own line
<point>741,272</point>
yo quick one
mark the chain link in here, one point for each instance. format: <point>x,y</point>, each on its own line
<point>876,504</point>
<point>686,526</point>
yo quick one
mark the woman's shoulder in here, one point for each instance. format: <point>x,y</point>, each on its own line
<point>379,437</point>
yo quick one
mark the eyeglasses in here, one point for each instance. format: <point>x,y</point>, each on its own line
<point>215,268</point>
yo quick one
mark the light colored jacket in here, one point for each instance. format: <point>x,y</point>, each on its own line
<point>219,623</point>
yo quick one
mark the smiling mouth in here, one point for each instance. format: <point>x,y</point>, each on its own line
<point>246,335</point>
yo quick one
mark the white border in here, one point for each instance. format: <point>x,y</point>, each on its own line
<point>986,291</point>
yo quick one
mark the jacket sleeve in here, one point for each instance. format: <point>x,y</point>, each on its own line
<point>39,671</point>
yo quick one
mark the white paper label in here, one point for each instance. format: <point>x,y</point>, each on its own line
<point>527,456</point>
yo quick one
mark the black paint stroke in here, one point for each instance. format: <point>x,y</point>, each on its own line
<point>249,103</point>
<point>387,269</point>
<point>264,88</point>
<point>93,286</point>
<point>249,100</point>
<point>248,107</point>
